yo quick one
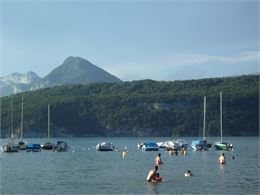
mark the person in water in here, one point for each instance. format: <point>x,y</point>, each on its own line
<point>188,173</point>
<point>158,160</point>
<point>153,175</point>
<point>221,159</point>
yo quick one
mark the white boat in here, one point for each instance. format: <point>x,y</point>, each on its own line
<point>202,144</point>
<point>140,145</point>
<point>48,145</point>
<point>105,146</point>
<point>222,145</point>
<point>172,145</point>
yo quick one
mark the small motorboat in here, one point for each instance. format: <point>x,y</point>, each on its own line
<point>223,146</point>
<point>140,145</point>
<point>33,148</point>
<point>200,145</point>
<point>9,147</point>
<point>48,146</point>
<point>150,146</point>
<point>61,146</point>
<point>172,145</point>
<point>105,146</point>
<point>161,144</point>
<point>22,145</point>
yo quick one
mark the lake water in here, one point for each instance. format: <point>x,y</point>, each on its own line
<point>83,170</point>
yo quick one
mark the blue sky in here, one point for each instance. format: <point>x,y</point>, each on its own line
<point>160,40</point>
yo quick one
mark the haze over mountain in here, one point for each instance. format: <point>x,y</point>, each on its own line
<point>74,70</point>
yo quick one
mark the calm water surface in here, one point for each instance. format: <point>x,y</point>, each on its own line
<point>83,170</point>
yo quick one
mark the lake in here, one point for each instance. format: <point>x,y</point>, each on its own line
<point>83,170</point>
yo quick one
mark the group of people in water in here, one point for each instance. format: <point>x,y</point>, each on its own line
<point>154,176</point>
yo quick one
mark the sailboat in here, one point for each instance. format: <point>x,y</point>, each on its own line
<point>48,145</point>
<point>202,144</point>
<point>21,143</point>
<point>222,145</point>
<point>10,147</point>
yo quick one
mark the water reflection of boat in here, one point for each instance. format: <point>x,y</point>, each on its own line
<point>105,146</point>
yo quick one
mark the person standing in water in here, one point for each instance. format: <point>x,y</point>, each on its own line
<point>158,160</point>
<point>221,159</point>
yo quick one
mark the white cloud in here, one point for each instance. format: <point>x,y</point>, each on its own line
<point>195,59</point>
<point>159,68</point>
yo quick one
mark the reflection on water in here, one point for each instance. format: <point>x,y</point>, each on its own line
<point>153,188</point>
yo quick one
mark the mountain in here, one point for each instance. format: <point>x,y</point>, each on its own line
<point>74,70</point>
<point>16,82</point>
<point>138,108</point>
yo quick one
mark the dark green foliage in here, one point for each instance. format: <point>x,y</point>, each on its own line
<point>139,108</point>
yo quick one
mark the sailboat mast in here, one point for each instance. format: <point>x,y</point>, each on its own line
<point>221,116</point>
<point>49,122</point>
<point>22,121</point>
<point>0,118</point>
<point>204,118</point>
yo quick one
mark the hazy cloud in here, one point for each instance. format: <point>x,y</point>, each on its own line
<point>159,68</point>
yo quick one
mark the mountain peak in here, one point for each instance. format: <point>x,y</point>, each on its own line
<point>77,70</point>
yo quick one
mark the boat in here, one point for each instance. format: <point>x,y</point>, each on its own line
<point>105,146</point>
<point>22,143</point>
<point>222,145</point>
<point>202,144</point>
<point>48,145</point>
<point>172,145</point>
<point>150,146</point>
<point>161,144</point>
<point>61,146</point>
<point>33,148</point>
<point>10,146</point>
<point>140,145</point>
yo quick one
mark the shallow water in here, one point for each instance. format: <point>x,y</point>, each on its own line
<point>83,170</point>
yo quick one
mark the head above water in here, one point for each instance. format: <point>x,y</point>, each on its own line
<point>159,154</point>
<point>155,168</point>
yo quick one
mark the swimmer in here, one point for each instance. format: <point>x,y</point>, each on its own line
<point>188,173</point>
<point>158,160</point>
<point>221,159</point>
<point>152,174</point>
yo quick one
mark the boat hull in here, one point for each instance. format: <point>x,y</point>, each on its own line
<point>223,146</point>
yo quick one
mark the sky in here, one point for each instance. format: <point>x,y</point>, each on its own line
<point>133,40</point>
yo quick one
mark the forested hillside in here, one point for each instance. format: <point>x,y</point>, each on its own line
<point>138,108</point>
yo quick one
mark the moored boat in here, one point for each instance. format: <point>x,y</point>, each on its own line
<point>33,148</point>
<point>9,147</point>
<point>105,146</point>
<point>48,145</point>
<point>150,146</point>
<point>222,145</point>
<point>61,146</point>
<point>202,144</point>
